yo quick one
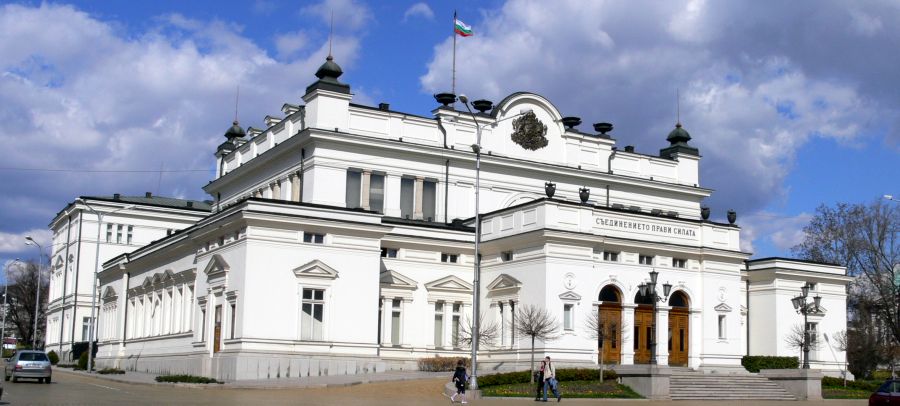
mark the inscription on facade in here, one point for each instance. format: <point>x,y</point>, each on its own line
<point>631,225</point>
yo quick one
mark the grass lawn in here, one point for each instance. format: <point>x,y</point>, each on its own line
<point>569,389</point>
<point>831,392</point>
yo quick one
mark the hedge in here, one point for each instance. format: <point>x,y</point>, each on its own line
<point>869,386</point>
<point>111,371</point>
<point>185,379</point>
<point>54,359</point>
<point>756,362</point>
<point>441,364</point>
<point>562,374</point>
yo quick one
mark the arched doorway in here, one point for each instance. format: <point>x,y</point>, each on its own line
<point>679,332</point>
<point>643,328</point>
<point>609,325</point>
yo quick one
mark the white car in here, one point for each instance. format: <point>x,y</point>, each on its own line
<point>28,364</point>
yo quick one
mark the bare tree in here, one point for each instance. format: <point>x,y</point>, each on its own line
<point>488,332</point>
<point>604,330</point>
<point>841,343</point>
<point>22,291</point>
<point>537,323</point>
<point>794,339</point>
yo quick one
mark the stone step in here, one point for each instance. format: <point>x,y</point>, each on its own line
<point>687,385</point>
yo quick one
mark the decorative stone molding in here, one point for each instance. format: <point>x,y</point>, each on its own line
<point>315,269</point>
<point>216,267</point>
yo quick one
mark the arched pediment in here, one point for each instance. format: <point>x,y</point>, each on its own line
<point>504,281</point>
<point>215,266</point>
<point>396,280</point>
<point>450,283</point>
<point>315,269</point>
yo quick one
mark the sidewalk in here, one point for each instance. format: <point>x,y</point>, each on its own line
<point>143,378</point>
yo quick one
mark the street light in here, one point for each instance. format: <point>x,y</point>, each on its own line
<point>5,308</point>
<point>649,289</point>
<point>891,198</point>
<point>803,307</point>
<point>37,303</point>
<point>99,215</point>
<point>476,147</point>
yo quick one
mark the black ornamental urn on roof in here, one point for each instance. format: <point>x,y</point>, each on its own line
<point>550,189</point>
<point>571,122</point>
<point>704,212</point>
<point>584,194</point>
<point>603,128</point>
<point>482,105</point>
<point>732,216</point>
<point>445,98</point>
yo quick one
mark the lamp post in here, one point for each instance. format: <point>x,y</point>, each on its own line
<point>803,307</point>
<point>37,303</point>
<point>476,147</point>
<point>891,198</point>
<point>5,308</point>
<point>649,289</point>
<point>99,215</point>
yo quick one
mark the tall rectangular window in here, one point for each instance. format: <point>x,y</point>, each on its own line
<point>354,186</point>
<point>129,235</point>
<point>429,199</point>
<point>438,324</point>
<point>568,316</point>
<point>395,322</point>
<point>85,328</point>
<point>376,193</point>
<point>722,326</point>
<point>455,326</point>
<point>109,230</point>
<point>813,333</point>
<point>233,318</point>
<point>203,323</point>
<point>119,234</point>
<point>407,195</point>
<point>313,307</point>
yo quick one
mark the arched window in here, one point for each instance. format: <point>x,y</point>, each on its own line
<point>642,299</point>
<point>609,294</point>
<point>679,299</point>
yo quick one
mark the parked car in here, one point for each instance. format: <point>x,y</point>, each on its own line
<point>28,364</point>
<point>887,393</point>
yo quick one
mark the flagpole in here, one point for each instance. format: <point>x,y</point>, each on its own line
<point>453,86</point>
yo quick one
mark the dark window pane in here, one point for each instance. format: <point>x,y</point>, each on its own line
<point>307,293</point>
<point>317,312</point>
<point>376,193</point>
<point>407,190</point>
<point>307,308</point>
<point>353,187</point>
<point>428,200</point>
<point>320,294</point>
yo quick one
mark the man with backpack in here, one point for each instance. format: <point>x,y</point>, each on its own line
<point>550,380</point>
<point>460,378</point>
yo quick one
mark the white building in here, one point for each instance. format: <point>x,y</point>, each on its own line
<point>129,222</point>
<point>334,248</point>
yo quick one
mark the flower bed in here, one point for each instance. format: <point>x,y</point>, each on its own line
<point>185,379</point>
<point>569,389</point>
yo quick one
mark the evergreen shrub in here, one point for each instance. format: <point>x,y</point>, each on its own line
<point>54,359</point>
<point>754,363</point>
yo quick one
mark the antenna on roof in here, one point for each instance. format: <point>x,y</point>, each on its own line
<point>237,97</point>
<point>331,34</point>
<point>677,107</point>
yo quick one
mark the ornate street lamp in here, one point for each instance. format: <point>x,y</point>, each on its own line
<point>805,308</point>
<point>649,290</point>
<point>37,303</point>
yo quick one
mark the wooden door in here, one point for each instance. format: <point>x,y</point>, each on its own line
<point>643,334</point>
<point>678,337</point>
<point>610,339</point>
<point>217,331</point>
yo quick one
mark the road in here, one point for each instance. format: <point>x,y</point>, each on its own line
<point>69,389</point>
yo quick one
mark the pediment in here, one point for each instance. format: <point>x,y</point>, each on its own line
<point>315,269</point>
<point>569,295</point>
<point>722,307</point>
<point>59,262</point>
<point>109,293</point>
<point>396,280</point>
<point>148,283</point>
<point>216,266</point>
<point>504,281</point>
<point>450,283</point>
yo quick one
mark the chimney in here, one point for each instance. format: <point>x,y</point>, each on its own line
<point>116,196</point>
<point>148,194</point>
<point>384,106</point>
<point>629,148</point>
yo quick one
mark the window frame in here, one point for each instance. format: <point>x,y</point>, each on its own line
<point>313,302</point>
<point>313,238</point>
<point>679,263</point>
<point>611,256</point>
<point>646,259</point>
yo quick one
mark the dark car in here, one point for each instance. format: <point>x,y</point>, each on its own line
<point>28,364</point>
<point>887,394</point>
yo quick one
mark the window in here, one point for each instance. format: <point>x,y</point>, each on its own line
<point>109,229</point>
<point>233,318</point>
<point>118,234</point>
<point>354,186</point>
<point>610,256</point>
<point>438,324</point>
<point>203,322</point>
<point>376,193</point>
<point>129,235</point>
<point>407,190</point>
<point>389,253</point>
<point>569,316</point>
<point>506,256</point>
<point>395,322</point>
<point>645,259</point>
<point>679,263</point>
<point>314,238</point>
<point>85,328</point>
<point>813,333</point>
<point>313,308</point>
<point>722,327</point>
<point>451,258</point>
<point>455,326</point>
<point>429,198</point>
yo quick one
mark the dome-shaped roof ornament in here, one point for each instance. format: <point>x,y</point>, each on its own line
<point>678,135</point>
<point>235,131</point>
<point>329,69</point>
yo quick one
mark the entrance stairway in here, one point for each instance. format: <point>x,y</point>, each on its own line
<point>691,385</point>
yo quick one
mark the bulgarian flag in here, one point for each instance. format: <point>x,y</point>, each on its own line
<point>461,28</point>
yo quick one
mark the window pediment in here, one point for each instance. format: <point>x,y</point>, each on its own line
<point>396,280</point>
<point>315,269</point>
<point>450,283</point>
<point>570,296</point>
<point>722,307</point>
<point>216,266</point>
<point>109,293</point>
<point>504,281</point>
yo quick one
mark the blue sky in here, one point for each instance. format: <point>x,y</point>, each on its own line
<point>792,105</point>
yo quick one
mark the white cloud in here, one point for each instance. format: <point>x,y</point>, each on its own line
<point>15,242</point>
<point>781,231</point>
<point>84,95</point>
<point>349,15</point>
<point>418,10</point>
<point>290,43</point>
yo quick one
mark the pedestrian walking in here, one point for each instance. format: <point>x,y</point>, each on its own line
<point>460,378</point>
<point>550,380</point>
<point>539,382</point>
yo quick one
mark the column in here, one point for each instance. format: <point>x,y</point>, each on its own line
<point>448,324</point>
<point>628,336</point>
<point>404,307</point>
<point>662,335</point>
<point>503,327</point>
<point>276,189</point>
<point>419,190</point>
<point>295,187</point>
<point>122,315</point>
<point>257,193</point>
<point>392,195</point>
<point>366,185</point>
